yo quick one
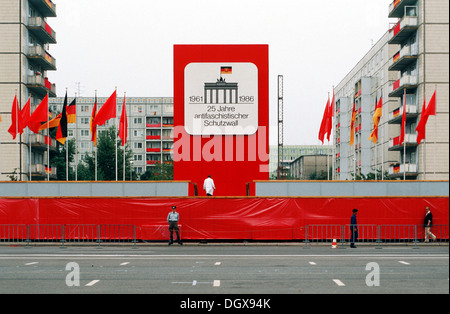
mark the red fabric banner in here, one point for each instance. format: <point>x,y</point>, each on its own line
<point>223,218</point>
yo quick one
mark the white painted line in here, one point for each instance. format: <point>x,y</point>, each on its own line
<point>93,282</point>
<point>218,264</point>
<point>338,282</point>
<point>312,263</point>
<point>405,263</point>
<point>32,263</point>
<point>216,283</point>
<point>125,263</point>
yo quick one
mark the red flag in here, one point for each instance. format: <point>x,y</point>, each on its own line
<point>25,115</point>
<point>426,113</point>
<point>330,117</point>
<point>15,119</point>
<point>39,115</point>
<point>323,125</point>
<point>376,120</point>
<point>92,125</point>
<point>108,111</point>
<point>402,134</point>
<point>352,125</point>
<point>123,125</point>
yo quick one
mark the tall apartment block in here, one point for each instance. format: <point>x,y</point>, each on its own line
<point>411,61</point>
<point>25,40</point>
<point>150,127</point>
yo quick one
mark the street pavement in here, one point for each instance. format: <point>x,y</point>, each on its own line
<point>223,269</point>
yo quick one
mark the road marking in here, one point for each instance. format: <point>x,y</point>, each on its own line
<point>32,263</point>
<point>124,263</point>
<point>218,264</point>
<point>93,282</point>
<point>216,283</point>
<point>405,263</point>
<point>338,282</point>
<point>312,263</point>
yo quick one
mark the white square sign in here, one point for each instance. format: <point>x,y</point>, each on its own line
<point>221,98</point>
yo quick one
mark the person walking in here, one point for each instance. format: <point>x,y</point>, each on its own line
<point>353,229</point>
<point>428,222</point>
<point>173,219</point>
<point>208,186</point>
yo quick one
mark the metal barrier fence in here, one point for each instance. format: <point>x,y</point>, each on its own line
<point>374,234</point>
<point>94,234</point>
<point>310,234</point>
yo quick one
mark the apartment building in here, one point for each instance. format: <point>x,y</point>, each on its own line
<point>150,127</point>
<point>292,153</point>
<point>26,37</point>
<point>409,63</point>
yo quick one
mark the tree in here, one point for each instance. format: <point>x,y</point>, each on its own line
<point>106,160</point>
<point>59,160</point>
<point>159,172</point>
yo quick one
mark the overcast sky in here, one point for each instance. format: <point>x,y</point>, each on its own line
<point>129,44</point>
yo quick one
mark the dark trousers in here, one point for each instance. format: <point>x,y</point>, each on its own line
<point>173,225</point>
<point>353,235</point>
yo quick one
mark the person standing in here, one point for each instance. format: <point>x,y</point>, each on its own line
<point>428,222</point>
<point>173,219</point>
<point>353,229</point>
<point>208,186</point>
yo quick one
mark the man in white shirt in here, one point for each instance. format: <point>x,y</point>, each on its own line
<point>208,186</point>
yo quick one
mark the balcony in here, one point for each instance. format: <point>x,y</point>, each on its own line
<point>404,58</point>
<point>395,117</point>
<point>41,85</point>
<point>408,82</point>
<point>40,141</point>
<point>41,172</point>
<point>410,141</point>
<point>397,171</point>
<point>38,55</point>
<point>403,30</point>
<point>397,7</point>
<point>46,7</point>
<point>154,150</point>
<point>153,137</point>
<point>39,28</point>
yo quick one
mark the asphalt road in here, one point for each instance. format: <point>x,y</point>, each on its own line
<point>223,269</point>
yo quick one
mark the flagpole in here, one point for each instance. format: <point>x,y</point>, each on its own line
<point>29,142</point>
<point>333,127</point>
<point>115,134</point>
<point>424,140</point>
<point>20,136</point>
<point>48,147</point>
<point>67,155</point>
<point>125,137</point>
<point>95,149</point>
<point>404,139</point>
<point>435,136</point>
<point>76,142</point>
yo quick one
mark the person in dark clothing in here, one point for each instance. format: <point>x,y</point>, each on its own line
<point>428,222</point>
<point>353,229</point>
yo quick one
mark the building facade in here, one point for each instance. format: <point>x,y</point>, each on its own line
<point>291,153</point>
<point>26,36</point>
<point>409,63</point>
<point>150,127</point>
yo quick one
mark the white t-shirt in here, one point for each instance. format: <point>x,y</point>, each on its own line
<point>209,186</point>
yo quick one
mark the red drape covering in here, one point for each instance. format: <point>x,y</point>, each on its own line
<point>223,218</point>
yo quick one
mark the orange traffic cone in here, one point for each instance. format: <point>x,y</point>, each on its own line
<point>334,244</point>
